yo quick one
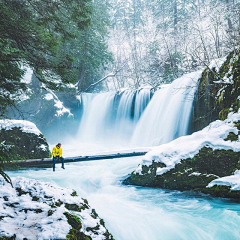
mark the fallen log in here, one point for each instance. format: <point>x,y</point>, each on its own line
<point>47,162</point>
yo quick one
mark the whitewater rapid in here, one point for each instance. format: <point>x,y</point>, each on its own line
<point>136,213</point>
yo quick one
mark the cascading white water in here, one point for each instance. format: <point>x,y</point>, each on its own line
<point>130,118</point>
<point>94,124</point>
<point>123,123</point>
<point>168,113</point>
<point>141,102</point>
<point>111,117</point>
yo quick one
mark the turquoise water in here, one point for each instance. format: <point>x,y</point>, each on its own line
<point>136,213</point>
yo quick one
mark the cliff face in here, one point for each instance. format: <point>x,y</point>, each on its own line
<point>50,110</point>
<point>208,160</point>
<point>218,92</point>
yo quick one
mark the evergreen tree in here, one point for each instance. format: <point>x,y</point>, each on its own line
<point>32,33</point>
<point>90,48</point>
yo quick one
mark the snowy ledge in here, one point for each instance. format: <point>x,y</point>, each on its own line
<point>25,126</point>
<point>187,146</point>
<point>39,210</point>
<point>214,137</point>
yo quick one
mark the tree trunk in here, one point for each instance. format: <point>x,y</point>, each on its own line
<point>80,77</point>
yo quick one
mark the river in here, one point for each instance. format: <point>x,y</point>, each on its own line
<point>137,213</point>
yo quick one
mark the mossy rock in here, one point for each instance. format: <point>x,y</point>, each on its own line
<point>75,207</point>
<point>74,194</point>
<point>75,234</point>
<point>73,220</point>
<point>58,203</point>
<point>214,100</point>
<point>94,214</point>
<point>50,212</point>
<point>8,238</point>
<point>24,145</point>
<point>231,137</point>
<point>222,191</point>
<point>191,174</point>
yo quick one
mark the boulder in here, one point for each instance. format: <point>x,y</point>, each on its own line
<point>22,140</point>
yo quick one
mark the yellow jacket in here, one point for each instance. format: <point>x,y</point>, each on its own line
<point>57,151</point>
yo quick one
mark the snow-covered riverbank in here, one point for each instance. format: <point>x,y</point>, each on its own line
<point>38,210</point>
<point>136,213</point>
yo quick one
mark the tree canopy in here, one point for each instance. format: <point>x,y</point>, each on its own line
<point>33,33</point>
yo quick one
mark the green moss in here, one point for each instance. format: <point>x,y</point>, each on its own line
<point>77,208</point>
<point>231,137</point>
<point>94,214</point>
<point>58,203</point>
<point>108,235</point>
<point>223,114</point>
<point>74,221</point>
<point>213,100</point>
<point>208,164</point>
<point>74,194</point>
<point>83,207</point>
<point>237,125</point>
<point>222,191</point>
<point>72,207</point>
<point>74,234</point>
<point>50,212</point>
<point>24,145</point>
<point>102,222</point>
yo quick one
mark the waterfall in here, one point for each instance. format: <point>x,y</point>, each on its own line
<point>168,113</point>
<point>133,118</point>
<point>141,102</point>
<point>96,109</point>
<point>111,117</point>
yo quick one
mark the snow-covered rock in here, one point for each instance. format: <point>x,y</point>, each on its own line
<point>23,125</point>
<point>198,162</point>
<point>39,210</point>
<point>22,140</point>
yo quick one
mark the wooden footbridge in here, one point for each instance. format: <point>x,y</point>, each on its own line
<point>47,162</point>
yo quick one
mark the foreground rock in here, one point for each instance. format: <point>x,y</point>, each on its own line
<point>22,140</point>
<point>207,161</point>
<point>37,210</point>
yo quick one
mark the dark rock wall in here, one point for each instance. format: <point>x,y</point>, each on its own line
<point>214,100</point>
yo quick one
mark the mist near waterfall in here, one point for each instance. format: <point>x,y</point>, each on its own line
<point>132,119</point>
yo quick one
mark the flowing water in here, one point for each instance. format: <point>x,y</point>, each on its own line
<point>136,213</point>
<point>133,118</point>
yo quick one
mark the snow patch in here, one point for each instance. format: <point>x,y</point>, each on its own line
<point>37,219</point>
<point>48,96</point>
<point>25,126</point>
<point>232,181</point>
<point>61,110</point>
<point>188,146</point>
<point>217,63</point>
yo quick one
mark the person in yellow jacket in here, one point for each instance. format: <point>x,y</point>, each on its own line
<point>57,154</point>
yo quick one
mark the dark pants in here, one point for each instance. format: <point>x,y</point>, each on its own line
<point>57,158</point>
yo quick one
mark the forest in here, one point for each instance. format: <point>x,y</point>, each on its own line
<point>111,44</point>
<point>144,98</point>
